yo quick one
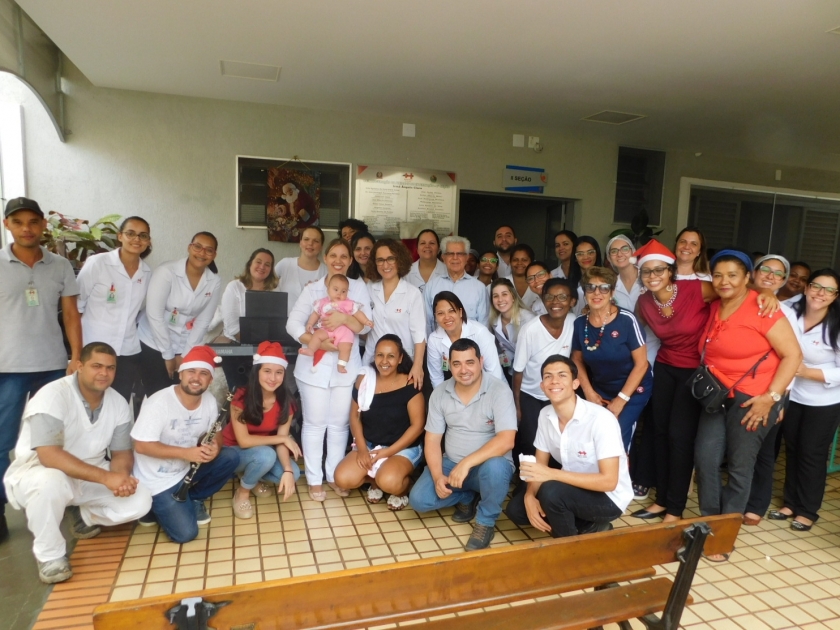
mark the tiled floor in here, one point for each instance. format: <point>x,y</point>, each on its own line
<point>777,578</point>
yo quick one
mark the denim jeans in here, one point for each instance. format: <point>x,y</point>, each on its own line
<point>178,519</point>
<point>260,462</point>
<point>568,509</point>
<point>722,432</point>
<point>14,386</point>
<point>489,479</point>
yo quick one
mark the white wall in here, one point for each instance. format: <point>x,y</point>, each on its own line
<point>171,160</point>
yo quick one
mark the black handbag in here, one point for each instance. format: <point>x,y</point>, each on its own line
<point>707,389</point>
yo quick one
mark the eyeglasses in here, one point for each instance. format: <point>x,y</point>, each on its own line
<point>656,271</point>
<point>767,270</point>
<point>131,235</point>
<point>602,288</point>
<point>537,276</point>
<point>458,254</point>
<point>624,249</point>
<point>555,297</point>
<point>588,252</point>
<point>197,248</point>
<point>490,260</point>
<point>390,260</point>
<point>816,288</point>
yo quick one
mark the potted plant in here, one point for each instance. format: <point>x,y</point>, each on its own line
<point>76,239</point>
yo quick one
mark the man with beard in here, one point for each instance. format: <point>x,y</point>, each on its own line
<point>503,240</point>
<point>68,426</point>
<point>166,439</point>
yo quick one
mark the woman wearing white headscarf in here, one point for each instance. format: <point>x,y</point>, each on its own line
<point>620,250</point>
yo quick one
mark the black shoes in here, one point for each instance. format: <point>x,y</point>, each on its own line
<point>593,528</point>
<point>800,527</point>
<point>4,528</point>
<point>465,512</point>
<point>775,515</point>
<point>480,537</point>
<point>643,513</point>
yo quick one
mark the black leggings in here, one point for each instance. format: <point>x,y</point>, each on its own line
<point>527,432</point>
<point>128,379</point>
<point>155,377</point>
<point>676,415</point>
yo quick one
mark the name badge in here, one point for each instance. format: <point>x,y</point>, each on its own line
<point>173,319</point>
<point>444,364</point>
<point>112,295</point>
<point>32,297</point>
<point>503,359</point>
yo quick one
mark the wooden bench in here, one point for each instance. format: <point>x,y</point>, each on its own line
<point>419,589</point>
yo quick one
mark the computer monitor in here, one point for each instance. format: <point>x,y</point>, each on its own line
<point>266,304</point>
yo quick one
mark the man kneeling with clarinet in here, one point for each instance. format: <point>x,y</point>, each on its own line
<point>177,442</point>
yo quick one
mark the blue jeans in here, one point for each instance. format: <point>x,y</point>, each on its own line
<point>260,462</point>
<point>14,386</point>
<point>178,519</point>
<point>489,479</point>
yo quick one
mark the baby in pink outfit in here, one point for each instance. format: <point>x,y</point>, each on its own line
<point>342,336</point>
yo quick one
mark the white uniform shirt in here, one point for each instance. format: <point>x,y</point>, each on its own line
<point>627,299</point>
<point>164,419</point>
<point>558,272</point>
<point>438,351</point>
<point>503,268</point>
<point>83,439</point>
<point>506,336</point>
<point>581,302</point>
<point>110,301</point>
<point>403,315</point>
<point>472,293</point>
<point>591,435</point>
<point>818,354</point>
<point>533,346</point>
<point>293,278</point>
<point>416,279</point>
<point>176,317</point>
<point>233,307</point>
<point>326,373</point>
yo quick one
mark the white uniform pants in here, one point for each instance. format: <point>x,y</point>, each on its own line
<point>325,411</point>
<point>45,493</point>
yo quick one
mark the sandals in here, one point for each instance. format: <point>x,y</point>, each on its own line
<point>317,495</point>
<point>374,495</point>
<point>395,503</point>
<point>339,491</point>
<point>261,489</point>
<point>723,557</point>
<point>242,509</point>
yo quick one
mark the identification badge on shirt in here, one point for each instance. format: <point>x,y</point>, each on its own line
<point>112,295</point>
<point>32,297</point>
<point>503,359</point>
<point>444,364</point>
<point>173,319</point>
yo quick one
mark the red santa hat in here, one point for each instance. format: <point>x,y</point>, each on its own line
<point>200,357</point>
<point>654,250</point>
<point>270,352</point>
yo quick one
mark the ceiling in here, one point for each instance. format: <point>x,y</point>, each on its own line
<point>753,78</point>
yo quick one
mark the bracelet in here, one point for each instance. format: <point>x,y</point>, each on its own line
<point>288,471</point>
<point>624,396</point>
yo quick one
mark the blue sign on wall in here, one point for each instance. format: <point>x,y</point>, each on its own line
<point>525,179</point>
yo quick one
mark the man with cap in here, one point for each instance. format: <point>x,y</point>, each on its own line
<point>33,284</point>
<point>60,461</point>
<point>167,438</point>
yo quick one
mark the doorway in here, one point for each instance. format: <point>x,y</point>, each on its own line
<point>534,219</point>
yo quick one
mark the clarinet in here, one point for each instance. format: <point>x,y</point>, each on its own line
<point>181,494</point>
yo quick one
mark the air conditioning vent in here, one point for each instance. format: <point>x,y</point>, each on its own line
<point>613,118</point>
<point>243,70</point>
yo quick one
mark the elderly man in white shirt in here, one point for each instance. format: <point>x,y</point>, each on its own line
<point>593,488</point>
<point>472,293</point>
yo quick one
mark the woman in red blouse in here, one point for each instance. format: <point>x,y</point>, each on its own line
<point>757,358</point>
<point>260,421</point>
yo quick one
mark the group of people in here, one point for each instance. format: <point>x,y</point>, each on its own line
<point>478,368</point>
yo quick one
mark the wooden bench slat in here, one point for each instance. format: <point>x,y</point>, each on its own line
<point>577,612</point>
<point>435,586</point>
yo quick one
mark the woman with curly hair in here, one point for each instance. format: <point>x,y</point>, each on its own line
<point>398,306</point>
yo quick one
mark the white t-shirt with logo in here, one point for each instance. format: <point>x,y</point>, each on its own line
<point>164,419</point>
<point>533,346</point>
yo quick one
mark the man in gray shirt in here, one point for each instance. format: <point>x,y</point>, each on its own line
<point>477,413</point>
<point>32,282</point>
<point>60,460</point>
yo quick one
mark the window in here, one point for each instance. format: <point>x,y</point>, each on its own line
<point>253,189</point>
<point>638,184</point>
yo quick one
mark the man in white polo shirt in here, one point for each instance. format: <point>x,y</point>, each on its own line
<point>593,488</point>
<point>60,461</point>
<point>33,282</point>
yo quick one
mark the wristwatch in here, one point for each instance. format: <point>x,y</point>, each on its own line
<point>776,397</point>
